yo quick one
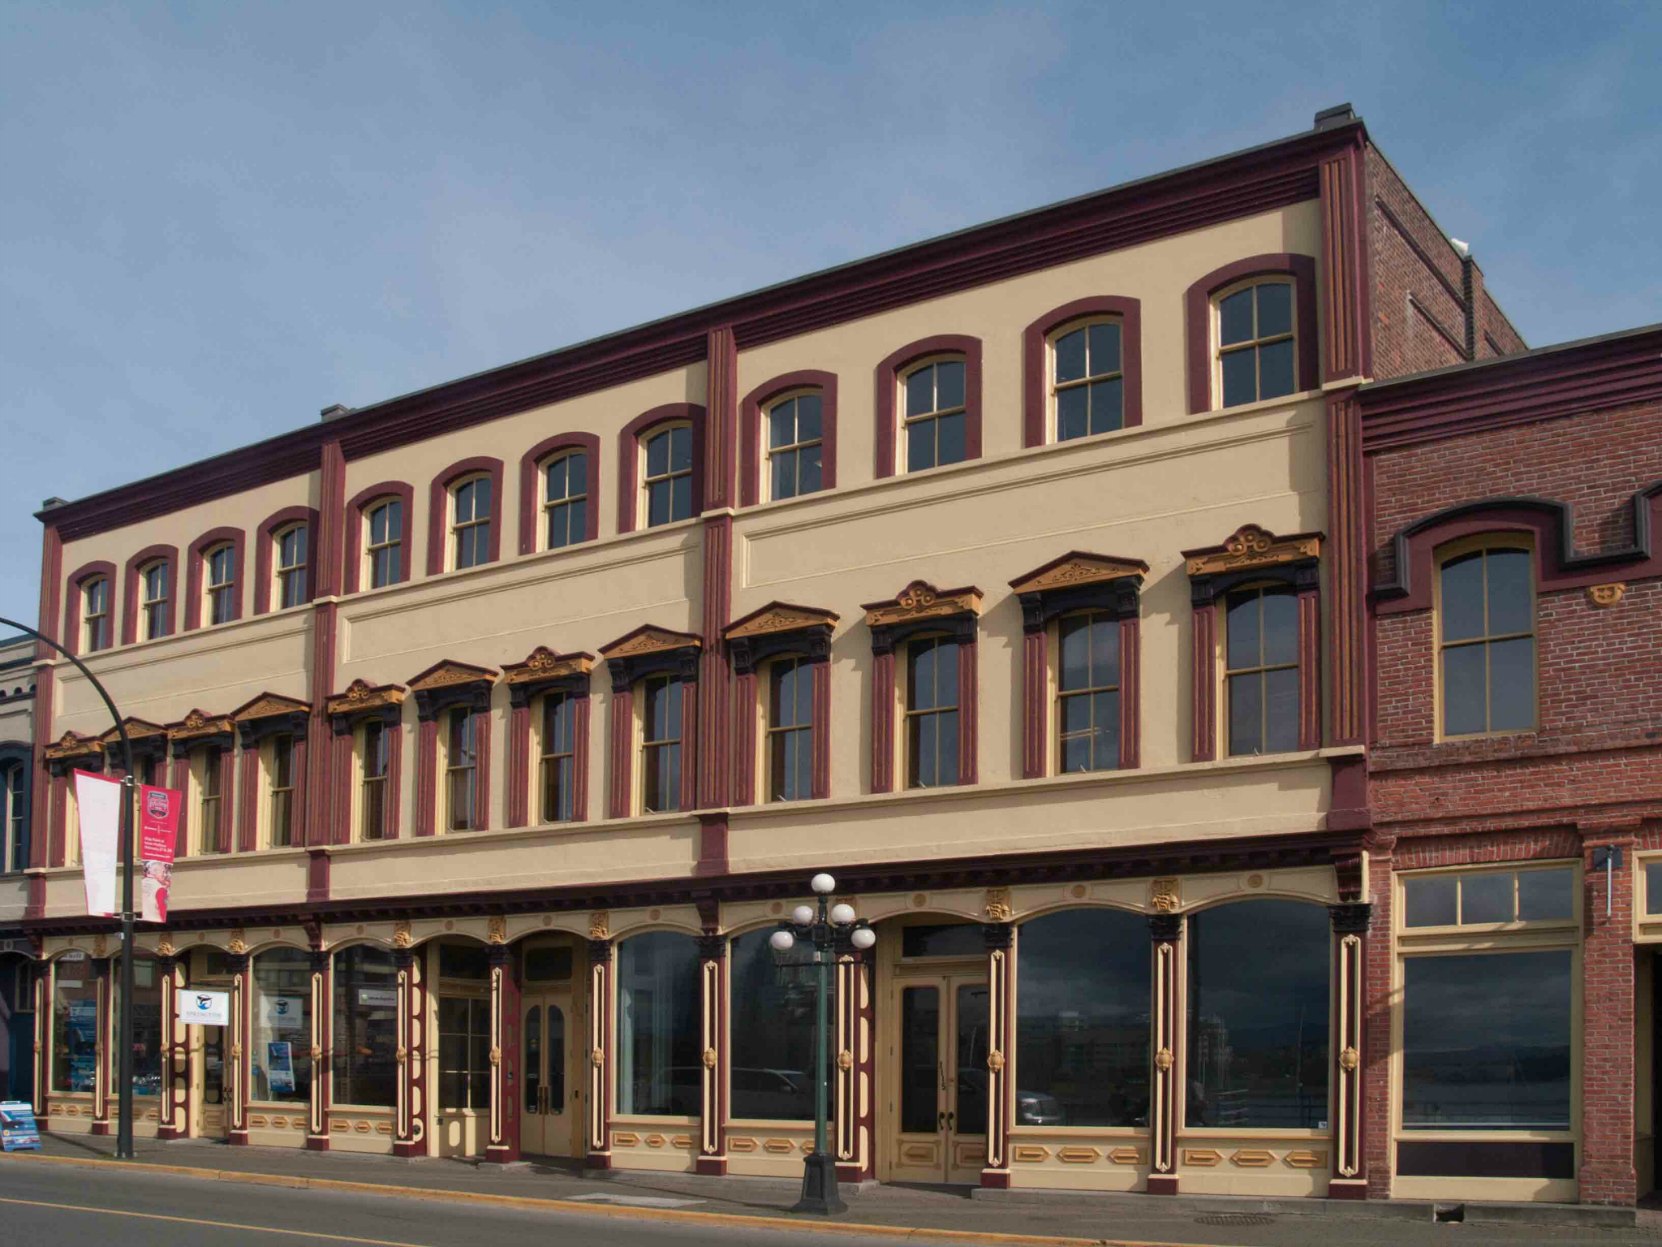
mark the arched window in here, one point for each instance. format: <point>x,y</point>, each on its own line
<point>795,433</point>
<point>667,474</point>
<point>289,545</point>
<point>384,542</point>
<point>931,710</point>
<point>155,599</point>
<point>1256,345</point>
<point>1261,669</point>
<point>365,1045</point>
<point>281,1062</point>
<point>1486,641</point>
<point>659,1071</point>
<point>470,522</point>
<point>933,414</point>
<point>1087,379</point>
<point>565,500</point>
<point>219,565</point>
<point>1258,991</point>
<point>1088,692</point>
<point>1082,1019</point>
<point>95,614</point>
<point>772,997</point>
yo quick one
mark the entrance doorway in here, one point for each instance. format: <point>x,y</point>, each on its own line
<point>207,1065</point>
<point>551,1091</point>
<point>939,1109</point>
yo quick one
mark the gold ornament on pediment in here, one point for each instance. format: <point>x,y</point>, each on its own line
<point>600,925</point>
<point>401,937</point>
<point>1603,596</point>
<point>497,930</point>
<point>73,745</point>
<point>1164,895</point>
<point>450,674</point>
<point>269,705</point>
<point>1251,546</point>
<point>100,946</point>
<point>164,947</point>
<point>998,907</point>
<point>360,695</point>
<point>780,617</point>
<point>238,943</point>
<point>649,640</point>
<point>922,600</point>
<point>544,664</point>
<point>1077,569</point>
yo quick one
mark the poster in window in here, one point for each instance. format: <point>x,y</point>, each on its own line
<point>279,1066</point>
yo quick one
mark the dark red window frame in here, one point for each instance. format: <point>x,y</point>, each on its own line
<point>438,510</point>
<point>72,607</point>
<point>132,606</point>
<point>888,394</point>
<point>629,442</point>
<point>1197,315</point>
<point>193,574</point>
<point>1037,422</point>
<point>530,486</point>
<point>264,559</point>
<point>752,451</point>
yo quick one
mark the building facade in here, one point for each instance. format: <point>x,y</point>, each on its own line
<point>1021,579</point>
<point>18,966</point>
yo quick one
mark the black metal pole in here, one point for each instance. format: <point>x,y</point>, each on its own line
<point>124,1025</point>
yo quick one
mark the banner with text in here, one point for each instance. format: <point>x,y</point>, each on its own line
<point>158,843</point>
<point>98,802</point>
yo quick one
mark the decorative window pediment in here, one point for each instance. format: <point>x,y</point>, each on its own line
<point>451,683</point>
<point>270,714</point>
<point>650,650</point>
<point>1253,553</point>
<point>363,700</point>
<point>545,671</point>
<point>197,729</point>
<point>1079,581</point>
<point>72,751</point>
<point>921,607</point>
<point>149,740</point>
<point>779,628</point>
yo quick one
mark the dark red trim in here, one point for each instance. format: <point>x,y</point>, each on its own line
<point>623,753</point>
<point>482,720</point>
<point>629,457</point>
<point>888,394</point>
<point>721,387</point>
<point>228,793</point>
<point>58,835</point>
<point>427,776</point>
<point>819,782</point>
<point>1309,670</point>
<point>1197,316</point>
<point>1203,701</point>
<point>1131,693</point>
<point>519,765</point>
<point>179,781</point>
<point>331,529</point>
<point>193,574</point>
<point>438,509</point>
<point>882,721</point>
<point>1035,341</point>
<point>715,718</point>
<point>133,583</point>
<point>969,711</point>
<point>248,787</point>
<point>691,753</point>
<point>530,486</point>
<point>394,784</point>
<point>51,587</point>
<point>357,516</point>
<point>1346,552</point>
<point>580,761</point>
<point>752,436</point>
<point>264,552</point>
<point>747,711</point>
<point>712,845</point>
<point>317,875</point>
<point>1347,328</point>
<point>72,605</point>
<point>1035,709</point>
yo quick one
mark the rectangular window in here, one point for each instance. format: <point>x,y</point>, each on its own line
<point>1653,887</point>
<point>1255,343</point>
<point>1490,897</point>
<point>280,830</point>
<point>291,567</point>
<point>375,752</point>
<point>1089,381</point>
<point>464,1053</point>
<point>1088,693</point>
<point>74,1026</point>
<point>1486,622</point>
<point>471,523</point>
<point>795,432</point>
<point>155,603</point>
<point>661,744</point>
<point>95,615</point>
<point>461,770</point>
<point>565,500</point>
<point>790,730</point>
<point>1261,670</point>
<point>385,548</point>
<point>212,831</point>
<point>935,415</point>
<point>222,585</point>
<point>559,756</point>
<point>932,713</point>
<point>16,856</point>
<point>668,479</point>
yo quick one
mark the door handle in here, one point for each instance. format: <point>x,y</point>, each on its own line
<point>940,1121</point>
<point>952,1121</point>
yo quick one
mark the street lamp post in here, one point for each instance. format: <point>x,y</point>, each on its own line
<point>124,1026</point>
<point>826,929</point>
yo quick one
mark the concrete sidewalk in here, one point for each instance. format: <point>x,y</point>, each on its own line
<point>921,1212</point>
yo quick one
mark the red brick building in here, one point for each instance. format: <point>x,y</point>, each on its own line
<point>1513,510</point>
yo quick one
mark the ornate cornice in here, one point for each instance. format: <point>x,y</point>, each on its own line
<point>544,664</point>
<point>1077,567</point>
<point>196,725</point>
<point>449,674</point>
<point>648,639</point>
<point>361,696</point>
<point>270,706</point>
<point>922,600</point>
<point>137,730</point>
<point>1250,547</point>
<point>779,617</point>
<point>73,745</point>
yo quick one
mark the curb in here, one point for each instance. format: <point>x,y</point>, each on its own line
<point>531,1203</point>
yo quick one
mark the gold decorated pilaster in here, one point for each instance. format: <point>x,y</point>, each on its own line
<point>1001,1008</point>
<point>1166,930</point>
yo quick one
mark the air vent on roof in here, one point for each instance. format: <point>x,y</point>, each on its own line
<point>334,411</point>
<point>1335,116</point>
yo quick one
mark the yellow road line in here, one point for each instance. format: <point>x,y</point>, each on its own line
<point>542,1204</point>
<point>222,1225</point>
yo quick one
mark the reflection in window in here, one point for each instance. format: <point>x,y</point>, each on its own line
<point>1089,381</point>
<point>1653,887</point>
<point>935,415</point>
<point>790,730</point>
<point>222,584</point>
<point>773,996</point>
<point>1255,343</point>
<point>385,547</point>
<point>1082,1019</point>
<point>1088,693</point>
<point>147,1022</point>
<point>566,500</point>
<point>376,752</point>
<point>470,525</point>
<point>291,567</point>
<point>464,1052</point>
<point>1489,896</point>
<point>661,745</point>
<point>281,1060</point>
<point>365,1046</point>
<point>1487,621</point>
<point>932,712</point>
<point>74,1026</point>
<point>1258,992</point>
<point>210,799</point>
<point>154,601</point>
<point>659,1071</point>
<point>669,475</point>
<point>461,770</point>
<point>559,755</point>
<point>95,615</point>
<point>1261,670</point>
<point>281,834</point>
<point>1486,1041</point>
<point>795,432</point>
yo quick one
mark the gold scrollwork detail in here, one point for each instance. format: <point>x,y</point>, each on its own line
<point>995,1060</point>
<point>401,936</point>
<point>238,943</point>
<point>600,925</point>
<point>1603,596</point>
<point>1164,895</point>
<point>1164,1060</point>
<point>597,1058</point>
<point>998,907</point>
<point>709,1058</point>
<point>498,930</point>
<point>164,947</point>
<point>1349,1059</point>
<point>845,1060</point>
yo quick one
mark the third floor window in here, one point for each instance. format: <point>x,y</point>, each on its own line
<point>1088,381</point>
<point>95,615</point>
<point>1256,345</point>
<point>668,479</point>
<point>1486,634</point>
<point>565,500</point>
<point>935,414</point>
<point>220,564</point>
<point>384,523</point>
<point>291,567</point>
<point>470,523</point>
<point>795,433</point>
<point>154,604</point>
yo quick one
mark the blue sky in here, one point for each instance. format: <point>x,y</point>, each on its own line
<point>216,219</point>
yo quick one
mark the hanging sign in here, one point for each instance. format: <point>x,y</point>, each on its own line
<point>158,840</point>
<point>98,801</point>
<point>202,1008</point>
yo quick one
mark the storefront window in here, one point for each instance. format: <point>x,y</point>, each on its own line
<point>147,1022</point>
<point>464,1052</point>
<point>1258,1016</point>
<point>74,1025</point>
<point>659,1072</point>
<point>773,1006</point>
<point>365,1043</point>
<point>1082,1024</point>
<point>1653,887</point>
<point>1486,1041</point>
<point>281,1065</point>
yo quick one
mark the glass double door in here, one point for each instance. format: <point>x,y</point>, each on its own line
<point>552,1095</point>
<point>208,1090</point>
<point>941,1102</point>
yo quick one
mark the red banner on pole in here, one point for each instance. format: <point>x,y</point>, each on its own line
<point>158,839</point>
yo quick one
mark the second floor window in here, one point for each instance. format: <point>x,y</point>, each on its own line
<point>1255,343</point>
<point>221,565</point>
<point>559,750</point>
<point>13,792</point>
<point>470,524</point>
<point>668,480</point>
<point>932,713</point>
<point>661,744</point>
<point>155,604</point>
<point>291,567</point>
<point>95,615</point>
<point>461,770</point>
<point>374,751</point>
<point>1486,625</point>
<point>280,828</point>
<point>1261,670</point>
<point>790,730</point>
<point>1088,380</point>
<point>211,829</point>
<point>935,414</point>
<point>565,500</point>
<point>795,432</point>
<point>384,523</point>
<point>1088,693</point>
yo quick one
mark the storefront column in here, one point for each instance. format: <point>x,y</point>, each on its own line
<point>1350,929</point>
<point>1001,983</point>
<point>169,1115</point>
<point>103,1052</point>
<point>410,1118</point>
<point>1167,933</point>
<point>853,1100</point>
<point>503,1145</point>
<point>43,1041</point>
<point>600,1055</point>
<point>712,976</point>
<point>241,1038</point>
<point>1608,1175</point>
<point>323,997</point>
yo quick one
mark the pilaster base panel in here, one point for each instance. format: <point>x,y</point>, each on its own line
<point>848,1173</point>
<point>598,1160</point>
<point>237,1138</point>
<point>407,1150</point>
<point>772,1149</point>
<point>501,1155</point>
<point>995,1179</point>
<point>168,1133</point>
<point>711,1166</point>
<point>1347,1188</point>
<point>1162,1184</point>
<point>1504,1190</point>
<point>103,1127</point>
<point>317,1143</point>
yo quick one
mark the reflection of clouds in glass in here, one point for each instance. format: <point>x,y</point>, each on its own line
<point>1092,963</point>
<point>1489,999</point>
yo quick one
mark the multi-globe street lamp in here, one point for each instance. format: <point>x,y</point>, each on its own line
<point>829,928</point>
